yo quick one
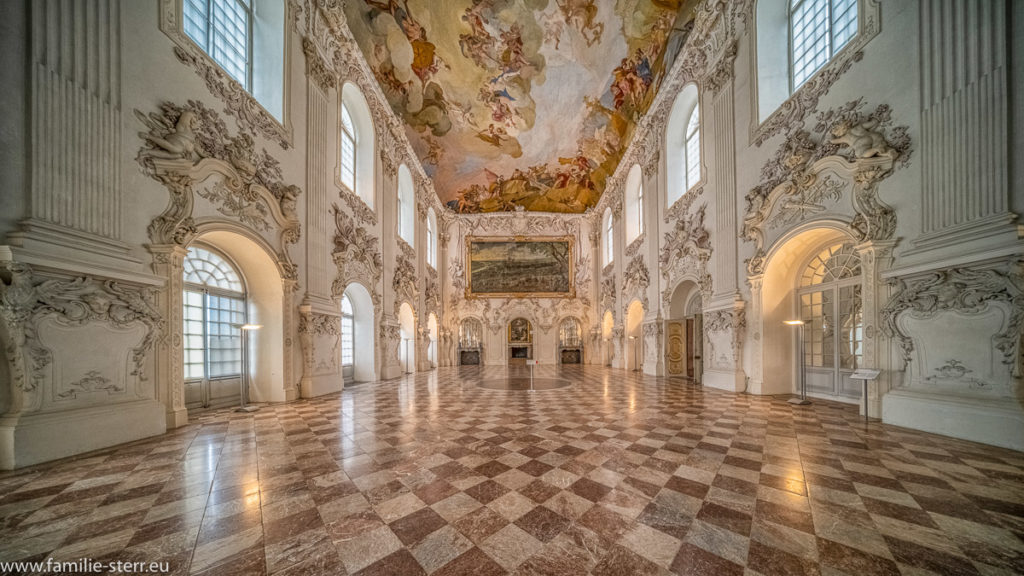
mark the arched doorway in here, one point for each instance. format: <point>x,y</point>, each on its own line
<point>471,333</point>
<point>358,350</point>
<point>831,307</point>
<point>520,341</point>
<point>607,347</point>
<point>570,341</point>
<point>684,340</point>
<point>262,305</point>
<point>634,336</point>
<point>407,343</point>
<point>432,344</point>
<point>814,275</point>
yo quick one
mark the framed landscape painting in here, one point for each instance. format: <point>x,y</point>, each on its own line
<point>514,267</point>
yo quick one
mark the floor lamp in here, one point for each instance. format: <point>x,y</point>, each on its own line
<point>245,329</point>
<point>636,350</point>
<point>802,400</point>
<point>407,371</point>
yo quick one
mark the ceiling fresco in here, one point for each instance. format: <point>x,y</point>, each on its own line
<point>520,104</point>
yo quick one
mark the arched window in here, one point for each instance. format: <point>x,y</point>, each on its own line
<point>817,30</point>
<point>609,237</point>
<point>830,306</point>
<point>348,330</point>
<point>356,145</point>
<point>691,150</point>
<point>634,204</point>
<point>348,149</point>
<point>406,206</point>
<point>214,311</point>
<point>431,238</point>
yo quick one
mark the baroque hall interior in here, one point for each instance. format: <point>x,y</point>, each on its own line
<point>512,286</point>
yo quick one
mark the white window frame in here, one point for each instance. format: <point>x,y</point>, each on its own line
<point>691,150</point>
<point>347,329</point>
<point>609,237</point>
<point>208,292</point>
<point>211,29</point>
<point>431,239</point>
<point>830,47</point>
<point>349,136</point>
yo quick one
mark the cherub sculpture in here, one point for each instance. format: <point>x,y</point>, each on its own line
<point>862,138</point>
<point>170,143</point>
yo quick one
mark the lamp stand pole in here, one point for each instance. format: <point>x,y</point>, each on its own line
<point>244,405</point>
<point>802,400</point>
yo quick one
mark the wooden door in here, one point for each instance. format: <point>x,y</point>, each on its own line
<point>675,349</point>
<point>689,348</point>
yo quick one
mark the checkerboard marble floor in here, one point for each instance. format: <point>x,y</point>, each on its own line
<point>617,474</point>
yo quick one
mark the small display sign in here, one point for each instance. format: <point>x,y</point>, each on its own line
<point>865,374</point>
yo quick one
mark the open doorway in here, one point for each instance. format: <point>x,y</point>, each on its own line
<point>684,340</point>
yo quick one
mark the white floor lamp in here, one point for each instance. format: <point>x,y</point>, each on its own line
<point>636,351</point>
<point>802,400</point>
<point>245,407</point>
<point>407,371</point>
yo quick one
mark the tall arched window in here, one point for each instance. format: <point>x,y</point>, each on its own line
<point>609,237</point>
<point>830,306</point>
<point>691,150</point>
<point>348,149</point>
<point>406,205</point>
<point>431,238</point>
<point>634,204</point>
<point>356,145</point>
<point>348,330</point>
<point>817,30</point>
<point>214,310</point>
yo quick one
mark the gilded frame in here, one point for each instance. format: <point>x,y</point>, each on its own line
<point>569,240</point>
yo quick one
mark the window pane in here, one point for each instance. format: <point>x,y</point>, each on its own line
<point>196,21</point>
<point>347,339</point>
<point>844,23</point>
<point>809,29</point>
<point>692,160</point>
<point>207,268</point>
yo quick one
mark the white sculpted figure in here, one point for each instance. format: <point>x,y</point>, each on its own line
<point>177,142</point>
<point>862,138</point>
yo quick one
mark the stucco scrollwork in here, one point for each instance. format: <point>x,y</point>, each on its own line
<point>356,255</point>
<point>848,149</point>
<point>635,281</point>
<point>964,290</point>
<point>25,300</point>
<point>186,145</point>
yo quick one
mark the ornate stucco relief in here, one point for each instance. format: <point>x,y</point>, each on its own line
<point>238,102</point>
<point>184,147</point>
<point>986,307</point>
<point>848,153</point>
<point>356,256</point>
<point>26,301</point>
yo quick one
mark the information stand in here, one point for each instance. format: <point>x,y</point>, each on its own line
<point>531,364</point>
<point>865,375</point>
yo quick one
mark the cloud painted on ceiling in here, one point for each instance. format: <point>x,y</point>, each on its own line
<point>515,104</point>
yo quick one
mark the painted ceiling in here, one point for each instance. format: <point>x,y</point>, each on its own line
<point>520,104</point>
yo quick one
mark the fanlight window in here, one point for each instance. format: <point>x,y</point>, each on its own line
<point>223,29</point>
<point>569,333</point>
<point>818,29</point>
<point>831,308</point>
<point>837,262</point>
<point>214,308</point>
<point>347,332</point>
<point>470,332</point>
<point>691,149</point>
<point>348,149</point>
